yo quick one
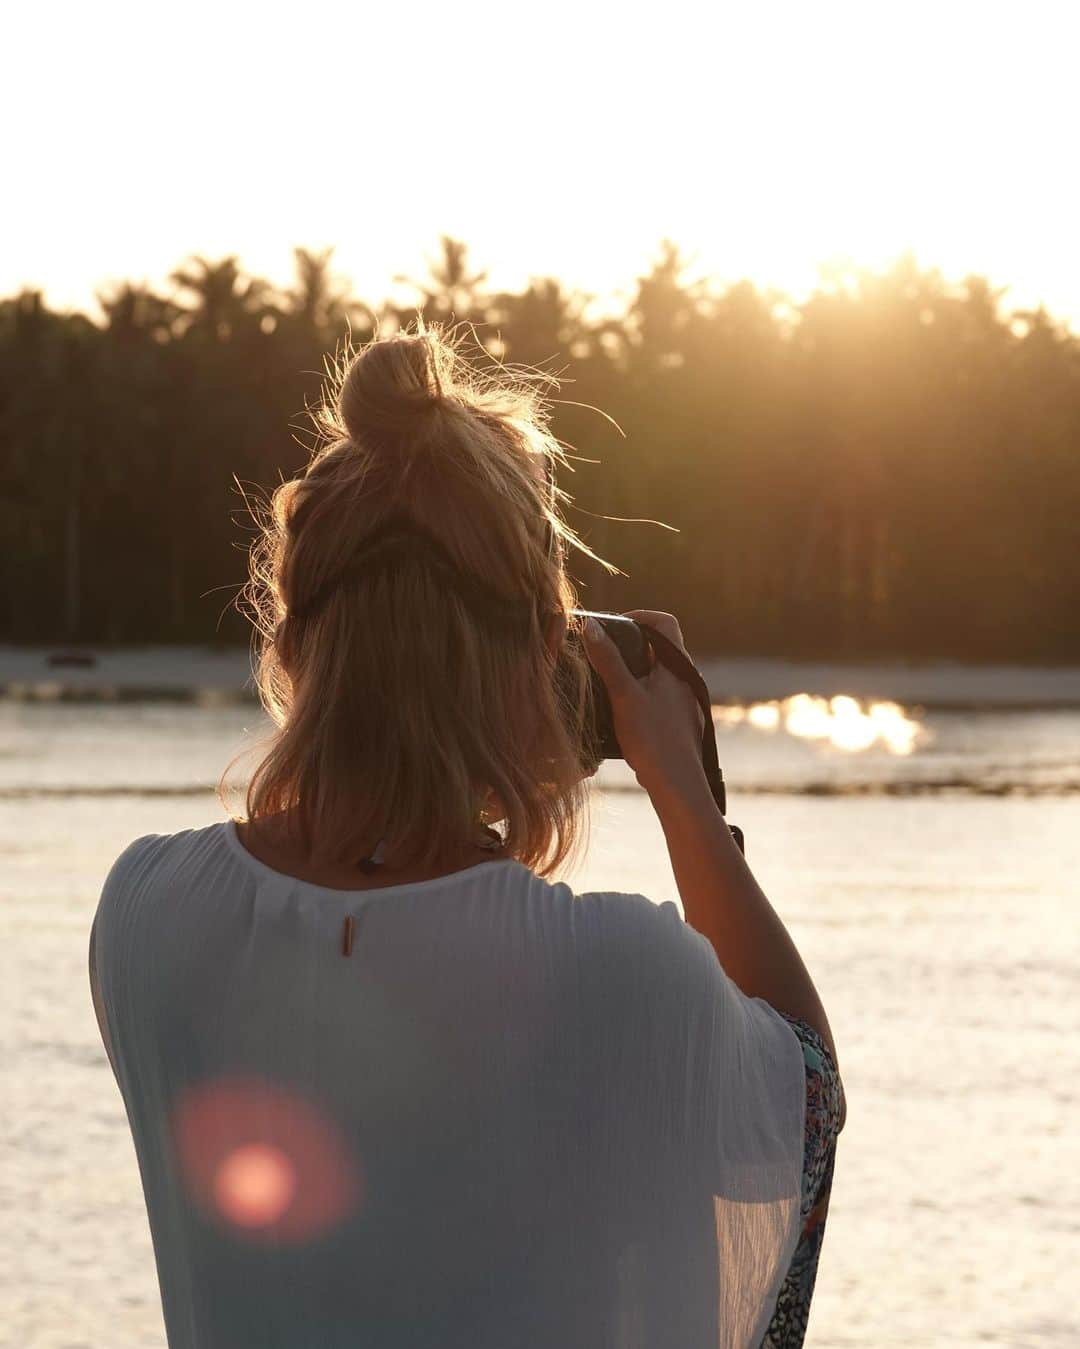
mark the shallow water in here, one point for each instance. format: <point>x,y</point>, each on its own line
<point>935,908</point>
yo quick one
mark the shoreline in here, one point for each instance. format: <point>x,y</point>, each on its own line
<point>216,676</point>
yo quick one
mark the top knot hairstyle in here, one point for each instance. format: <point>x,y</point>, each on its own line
<point>406,587</point>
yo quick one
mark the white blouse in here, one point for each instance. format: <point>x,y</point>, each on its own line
<point>512,1117</point>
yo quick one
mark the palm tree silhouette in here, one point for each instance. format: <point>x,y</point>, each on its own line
<point>226,302</point>
<point>134,312</point>
<point>540,324</point>
<point>452,290</point>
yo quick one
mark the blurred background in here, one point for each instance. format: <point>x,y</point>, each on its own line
<point>807,277</point>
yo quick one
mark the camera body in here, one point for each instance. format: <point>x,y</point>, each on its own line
<point>636,651</point>
<point>641,647</point>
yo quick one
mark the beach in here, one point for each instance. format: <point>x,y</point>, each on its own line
<point>932,894</point>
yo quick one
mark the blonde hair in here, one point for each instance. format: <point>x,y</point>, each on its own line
<point>400,698</point>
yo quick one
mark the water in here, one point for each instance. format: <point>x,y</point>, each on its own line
<point>933,897</point>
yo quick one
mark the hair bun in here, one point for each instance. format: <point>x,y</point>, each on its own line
<point>392,386</point>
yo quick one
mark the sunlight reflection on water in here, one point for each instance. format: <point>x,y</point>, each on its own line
<point>841,720</point>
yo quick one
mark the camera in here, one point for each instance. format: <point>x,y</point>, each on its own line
<point>641,647</point>
<point>634,647</point>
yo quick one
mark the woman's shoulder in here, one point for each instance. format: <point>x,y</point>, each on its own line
<point>653,931</point>
<point>626,909</point>
<point>131,859</point>
<point>141,861</point>
<point>627,936</point>
<point>146,847</point>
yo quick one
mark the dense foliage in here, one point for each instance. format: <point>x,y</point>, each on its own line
<point>891,469</point>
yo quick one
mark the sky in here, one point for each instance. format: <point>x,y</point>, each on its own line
<point>568,140</point>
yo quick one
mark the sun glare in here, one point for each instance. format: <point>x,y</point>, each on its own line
<point>766,148</point>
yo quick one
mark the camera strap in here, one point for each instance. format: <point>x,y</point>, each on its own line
<point>679,663</point>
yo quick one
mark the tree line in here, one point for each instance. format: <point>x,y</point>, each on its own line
<point>888,470</point>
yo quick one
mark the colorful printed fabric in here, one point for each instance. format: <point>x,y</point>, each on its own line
<point>824,1098</point>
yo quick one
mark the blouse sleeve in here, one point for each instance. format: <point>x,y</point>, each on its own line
<point>824,1109</point>
<point>706,1082</point>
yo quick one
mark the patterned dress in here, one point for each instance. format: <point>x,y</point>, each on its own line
<point>824,1098</point>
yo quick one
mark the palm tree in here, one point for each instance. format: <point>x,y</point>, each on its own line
<point>318,308</point>
<point>663,308</point>
<point>133,313</point>
<point>540,324</point>
<point>455,289</point>
<point>226,303</point>
<point>315,301</point>
<point>48,395</point>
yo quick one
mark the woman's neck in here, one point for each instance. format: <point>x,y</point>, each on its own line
<point>268,841</point>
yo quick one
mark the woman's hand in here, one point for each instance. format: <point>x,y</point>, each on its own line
<point>658,720</point>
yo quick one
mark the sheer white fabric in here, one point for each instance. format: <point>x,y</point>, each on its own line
<point>513,1116</point>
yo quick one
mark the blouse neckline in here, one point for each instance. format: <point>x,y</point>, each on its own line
<point>260,868</point>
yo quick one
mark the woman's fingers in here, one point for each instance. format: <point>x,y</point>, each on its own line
<point>606,658</point>
<point>664,623</point>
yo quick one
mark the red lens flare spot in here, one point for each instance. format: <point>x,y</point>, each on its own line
<point>265,1160</point>
<point>254,1185</point>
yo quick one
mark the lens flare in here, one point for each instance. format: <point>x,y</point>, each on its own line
<point>265,1160</point>
<point>254,1184</point>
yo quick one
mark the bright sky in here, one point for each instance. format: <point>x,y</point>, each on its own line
<point>558,139</point>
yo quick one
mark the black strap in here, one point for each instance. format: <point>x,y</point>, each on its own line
<point>680,664</point>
